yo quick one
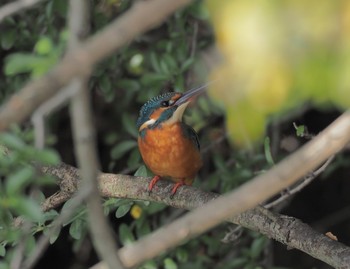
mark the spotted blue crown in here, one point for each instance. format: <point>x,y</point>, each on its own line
<point>148,108</point>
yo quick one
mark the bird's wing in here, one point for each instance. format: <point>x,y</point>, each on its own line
<point>191,134</point>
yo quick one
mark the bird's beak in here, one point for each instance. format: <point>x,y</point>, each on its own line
<point>182,103</point>
<point>189,95</point>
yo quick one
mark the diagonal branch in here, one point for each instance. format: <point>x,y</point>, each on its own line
<point>140,18</point>
<point>212,209</point>
<point>306,181</point>
<point>16,6</point>
<point>287,230</point>
<point>249,195</point>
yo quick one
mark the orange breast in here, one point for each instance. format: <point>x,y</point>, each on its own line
<point>168,153</point>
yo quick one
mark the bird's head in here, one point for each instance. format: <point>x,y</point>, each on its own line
<point>167,108</point>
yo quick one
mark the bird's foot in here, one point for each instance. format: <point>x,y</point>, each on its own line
<point>152,183</point>
<point>177,185</point>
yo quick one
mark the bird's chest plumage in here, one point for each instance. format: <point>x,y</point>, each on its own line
<point>168,152</point>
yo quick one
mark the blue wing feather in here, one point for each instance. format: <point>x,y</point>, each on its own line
<point>190,133</point>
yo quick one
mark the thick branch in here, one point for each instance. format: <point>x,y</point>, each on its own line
<point>287,230</point>
<point>16,6</point>
<point>306,159</point>
<point>249,195</point>
<point>143,16</point>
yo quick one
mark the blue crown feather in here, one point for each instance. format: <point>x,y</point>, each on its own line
<point>152,104</point>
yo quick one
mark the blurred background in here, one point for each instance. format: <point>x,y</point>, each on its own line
<point>281,76</point>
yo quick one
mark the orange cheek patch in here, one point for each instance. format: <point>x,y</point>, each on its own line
<point>156,114</point>
<point>176,96</point>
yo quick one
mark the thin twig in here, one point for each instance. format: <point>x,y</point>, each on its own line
<point>15,7</point>
<point>306,181</point>
<point>54,103</point>
<point>55,200</point>
<point>233,234</point>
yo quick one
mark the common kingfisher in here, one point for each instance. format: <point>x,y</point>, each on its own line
<point>168,146</point>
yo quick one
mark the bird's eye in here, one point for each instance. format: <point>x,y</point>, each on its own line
<point>165,104</point>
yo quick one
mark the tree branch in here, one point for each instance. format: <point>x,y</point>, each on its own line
<point>287,230</point>
<point>306,181</point>
<point>140,18</point>
<point>85,144</point>
<point>16,6</point>
<point>216,209</point>
<point>247,196</point>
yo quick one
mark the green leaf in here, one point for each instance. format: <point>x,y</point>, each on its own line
<point>44,46</point>
<point>106,87</point>
<point>39,196</point>
<point>153,78</point>
<point>18,63</point>
<point>182,255</point>
<point>169,264</point>
<point>149,265</point>
<point>155,207</point>
<point>111,202</point>
<point>300,130</point>
<point>45,180</point>
<point>42,65</point>
<point>128,84</point>
<point>123,210</point>
<point>129,125</point>
<point>2,250</point>
<point>30,209</point>
<point>119,150</point>
<point>141,172</point>
<point>257,247</point>
<point>267,149</point>
<point>111,138</point>
<point>142,228</point>
<point>134,159</point>
<point>48,10</point>
<point>11,141</point>
<point>60,7</point>
<point>50,215</point>
<point>135,64</point>
<point>186,64</point>
<point>165,69</point>
<point>155,62</point>
<point>7,39</point>
<point>78,212</point>
<point>125,234</point>
<point>47,157</point>
<point>52,233</point>
<point>30,244</point>
<point>170,62</point>
<point>237,263</point>
<point>75,229</point>
<point>4,265</point>
<point>17,181</point>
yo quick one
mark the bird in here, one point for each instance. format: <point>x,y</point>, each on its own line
<point>169,147</point>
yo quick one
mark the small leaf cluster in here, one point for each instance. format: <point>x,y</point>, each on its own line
<point>20,196</point>
<point>31,44</point>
